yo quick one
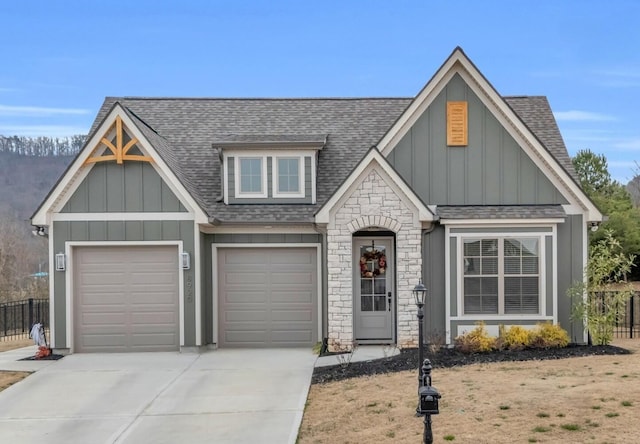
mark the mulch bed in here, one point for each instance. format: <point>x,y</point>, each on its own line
<point>449,357</point>
<point>46,358</point>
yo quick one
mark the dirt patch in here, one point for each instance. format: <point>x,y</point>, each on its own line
<point>592,398</point>
<point>12,344</point>
<point>8,378</point>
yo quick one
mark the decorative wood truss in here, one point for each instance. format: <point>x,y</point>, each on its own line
<point>119,150</point>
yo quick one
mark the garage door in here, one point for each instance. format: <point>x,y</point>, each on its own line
<point>126,299</point>
<point>268,297</point>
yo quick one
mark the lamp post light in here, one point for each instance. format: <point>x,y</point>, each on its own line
<point>420,295</point>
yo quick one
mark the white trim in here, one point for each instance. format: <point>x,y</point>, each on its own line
<point>542,276</point>
<point>458,63</point>
<point>214,295</point>
<point>120,216</point>
<point>554,268</point>
<point>373,157</point>
<point>313,177</point>
<point>542,273</point>
<point>239,194</point>
<point>52,293</point>
<point>506,318</point>
<point>197,285</point>
<point>585,261</point>
<point>275,177</point>
<point>500,222</point>
<point>225,175</point>
<point>78,171</point>
<point>214,277</point>
<point>447,283</point>
<point>69,248</point>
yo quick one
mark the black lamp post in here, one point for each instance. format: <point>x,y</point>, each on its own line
<point>420,295</point>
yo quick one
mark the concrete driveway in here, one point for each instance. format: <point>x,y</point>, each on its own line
<point>222,396</point>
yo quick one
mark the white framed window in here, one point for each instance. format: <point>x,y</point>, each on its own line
<point>251,176</point>
<point>501,275</point>
<point>288,177</point>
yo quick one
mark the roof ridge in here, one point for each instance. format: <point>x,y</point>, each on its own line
<point>256,98</point>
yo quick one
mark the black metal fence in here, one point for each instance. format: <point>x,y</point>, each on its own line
<point>17,318</point>
<point>629,323</point>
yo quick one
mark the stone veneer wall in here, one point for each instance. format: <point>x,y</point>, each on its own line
<point>373,204</point>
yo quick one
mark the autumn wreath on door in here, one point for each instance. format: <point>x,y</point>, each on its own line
<point>373,262</point>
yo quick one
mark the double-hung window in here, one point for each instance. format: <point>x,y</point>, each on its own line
<point>288,177</point>
<point>251,177</point>
<point>501,275</point>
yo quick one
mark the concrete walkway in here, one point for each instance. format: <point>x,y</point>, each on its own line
<point>222,396</point>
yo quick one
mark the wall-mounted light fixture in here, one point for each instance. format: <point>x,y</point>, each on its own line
<point>61,264</point>
<point>185,261</point>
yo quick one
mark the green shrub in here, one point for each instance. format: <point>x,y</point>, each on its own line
<point>548,335</point>
<point>476,340</point>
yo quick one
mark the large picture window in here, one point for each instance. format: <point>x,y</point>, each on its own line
<point>501,276</point>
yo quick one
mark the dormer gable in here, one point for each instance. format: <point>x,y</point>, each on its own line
<point>272,169</point>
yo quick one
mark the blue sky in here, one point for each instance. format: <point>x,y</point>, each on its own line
<point>60,59</point>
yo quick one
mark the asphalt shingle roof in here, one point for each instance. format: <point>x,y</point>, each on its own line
<point>500,211</point>
<point>183,130</point>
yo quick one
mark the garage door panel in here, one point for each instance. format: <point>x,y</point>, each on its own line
<point>103,318</point>
<point>246,316</point>
<point>151,277</point>
<point>152,298</point>
<point>293,256</point>
<point>245,338</point>
<point>100,298</point>
<point>141,320</point>
<point>243,278</point>
<point>276,306</point>
<point>245,297</point>
<point>292,278</point>
<point>291,315</point>
<point>98,279</point>
<point>126,298</point>
<point>292,337</point>
<point>104,342</point>
<point>239,257</point>
<point>152,339</point>
<point>279,296</point>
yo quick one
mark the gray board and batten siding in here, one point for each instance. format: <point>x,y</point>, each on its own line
<point>491,170</point>
<point>132,187</point>
<point>270,199</point>
<point>112,188</point>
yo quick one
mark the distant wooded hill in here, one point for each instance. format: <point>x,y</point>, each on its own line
<point>29,166</point>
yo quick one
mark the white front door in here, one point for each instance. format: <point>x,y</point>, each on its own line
<point>373,289</point>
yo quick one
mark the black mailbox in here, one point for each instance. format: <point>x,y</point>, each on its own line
<point>428,400</point>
